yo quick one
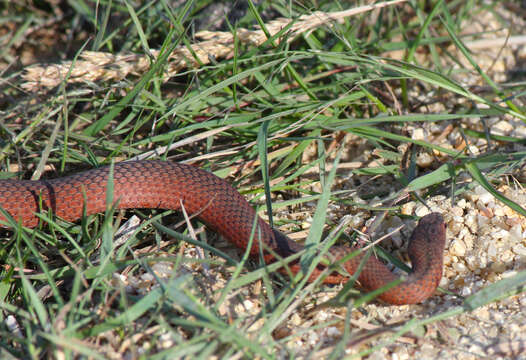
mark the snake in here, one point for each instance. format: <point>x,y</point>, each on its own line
<point>157,184</point>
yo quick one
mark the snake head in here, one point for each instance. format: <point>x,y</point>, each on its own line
<point>431,229</point>
<point>427,242</point>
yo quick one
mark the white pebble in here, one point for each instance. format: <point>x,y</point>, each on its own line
<point>492,251</point>
<point>502,128</point>
<point>466,291</point>
<point>472,262</point>
<point>482,220</point>
<point>474,150</point>
<point>422,211</point>
<point>147,277</point>
<point>459,267</point>
<point>458,248</point>
<point>333,332</point>
<point>484,196</point>
<point>499,211</point>
<point>506,256</point>
<point>418,134</point>
<point>515,234</point>
<point>500,234</point>
<point>248,304</point>
<point>471,222</point>
<point>457,212</point>
<point>424,160</point>
<point>407,208</point>
<point>509,273</point>
<point>520,250</point>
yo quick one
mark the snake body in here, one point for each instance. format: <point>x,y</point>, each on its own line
<point>167,185</point>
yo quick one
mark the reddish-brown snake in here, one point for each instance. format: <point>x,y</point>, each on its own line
<point>165,185</point>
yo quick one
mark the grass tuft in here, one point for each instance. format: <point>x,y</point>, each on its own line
<point>300,106</point>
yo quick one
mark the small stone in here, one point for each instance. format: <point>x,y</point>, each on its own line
<point>506,256</point>
<point>333,332</point>
<point>469,240</point>
<point>418,134</point>
<point>471,222</point>
<point>482,313</point>
<point>484,196</point>
<point>460,267</point>
<point>492,251</point>
<point>257,325</point>
<point>455,227</point>
<point>422,211</point>
<point>482,220</point>
<point>520,131</point>
<point>296,320</point>
<point>313,338</point>
<point>499,211</point>
<point>424,160</point>
<point>407,208</point>
<point>472,262</point>
<point>147,277</point>
<point>471,196</point>
<point>502,128</point>
<point>509,274</point>
<point>321,316</point>
<point>474,150</point>
<point>466,291</point>
<point>520,250</point>
<point>249,305</point>
<point>457,211</point>
<point>500,234</point>
<point>458,248</point>
<point>515,234</point>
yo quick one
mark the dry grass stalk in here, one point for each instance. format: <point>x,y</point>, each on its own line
<point>100,66</point>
